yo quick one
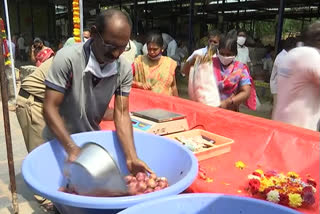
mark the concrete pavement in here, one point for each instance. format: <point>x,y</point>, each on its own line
<point>27,204</point>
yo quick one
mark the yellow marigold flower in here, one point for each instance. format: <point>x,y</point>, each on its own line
<point>292,175</point>
<point>240,165</point>
<point>8,62</point>
<point>295,200</point>
<point>259,171</point>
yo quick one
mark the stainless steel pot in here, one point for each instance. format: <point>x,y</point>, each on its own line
<point>95,173</point>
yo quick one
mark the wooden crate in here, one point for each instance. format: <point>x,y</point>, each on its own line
<point>222,144</point>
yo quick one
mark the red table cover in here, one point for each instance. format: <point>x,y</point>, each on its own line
<point>259,143</point>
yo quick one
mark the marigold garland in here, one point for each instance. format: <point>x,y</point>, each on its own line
<point>289,190</point>
<point>76,20</point>
<point>6,53</point>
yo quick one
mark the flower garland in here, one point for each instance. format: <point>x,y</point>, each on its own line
<point>288,190</point>
<point>6,53</point>
<point>76,20</point>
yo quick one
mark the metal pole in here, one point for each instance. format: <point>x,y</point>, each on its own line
<point>136,19</point>
<point>10,48</point>
<point>32,23</point>
<point>191,25</point>
<point>280,25</point>
<point>6,120</point>
<point>81,19</point>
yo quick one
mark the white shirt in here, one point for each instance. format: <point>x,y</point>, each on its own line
<point>139,47</point>
<point>21,43</point>
<point>276,66</point>
<point>94,67</point>
<point>199,52</point>
<point>243,55</point>
<point>298,101</point>
<point>172,48</point>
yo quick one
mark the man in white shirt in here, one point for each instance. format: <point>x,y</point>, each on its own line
<point>299,83</point>
<point>22,48</point>
<point>243,51</point>
<point>213,41</point>
<point>288,45</point>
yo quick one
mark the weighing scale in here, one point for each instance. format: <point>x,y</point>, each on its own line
<point>159,121</point>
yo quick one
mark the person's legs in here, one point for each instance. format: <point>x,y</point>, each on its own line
<point>24,118</point>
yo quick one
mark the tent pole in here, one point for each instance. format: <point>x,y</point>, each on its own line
<point>81,20</point>
<point>191,25</point>
<point>6,122</point>
<point>280,25</point>
<point>10,48</point>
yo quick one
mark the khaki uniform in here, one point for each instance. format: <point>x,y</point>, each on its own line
<point>30,106</point>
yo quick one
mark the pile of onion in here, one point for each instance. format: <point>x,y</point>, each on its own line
<point>143,183</point>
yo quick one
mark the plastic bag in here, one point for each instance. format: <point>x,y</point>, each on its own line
<point>202,85</point>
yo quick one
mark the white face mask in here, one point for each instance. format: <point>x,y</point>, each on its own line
<point>241,40</point>
<point>226,60</point>
<point>156,57</point>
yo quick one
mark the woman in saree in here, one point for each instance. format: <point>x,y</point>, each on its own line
<point>154,71</point>
<point>39,52</point>
<point>234,81</point>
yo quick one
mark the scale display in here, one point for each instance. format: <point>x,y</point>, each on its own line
<point>140,125</point>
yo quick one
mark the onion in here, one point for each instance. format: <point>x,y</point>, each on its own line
<point>152,183</point>
<point>128,178</point>
<point>132,188</point>
<point>141,176</point>
<point>153,176</point>
<point>157,188</point>
<point>142,186</point>
<point>148,190</point>
<point>162,184</point>
<point>164,179</point>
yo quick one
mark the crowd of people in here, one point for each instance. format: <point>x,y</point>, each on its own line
<point>71,89</point>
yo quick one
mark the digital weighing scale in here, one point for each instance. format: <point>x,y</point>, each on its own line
<point>159,121</point>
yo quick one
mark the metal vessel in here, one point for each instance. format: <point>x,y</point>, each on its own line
<point>95,173</point>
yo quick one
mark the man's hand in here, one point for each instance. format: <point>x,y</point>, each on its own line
<point>137,165</point>
<point>73,153</point>
<point>123,125</point>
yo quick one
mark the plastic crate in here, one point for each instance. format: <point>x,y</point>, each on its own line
<point>220,146</point>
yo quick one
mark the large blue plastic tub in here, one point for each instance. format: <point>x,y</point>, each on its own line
<point>208,204</point>
<point>42,171</point>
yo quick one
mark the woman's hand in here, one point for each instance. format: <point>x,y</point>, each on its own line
<point>146,86</point>
<point>227,103</point>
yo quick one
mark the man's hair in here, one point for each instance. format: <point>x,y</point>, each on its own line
<point>214,33</point>
<point>104,16</point>
<point>229,42</point>
<point>311,36</point>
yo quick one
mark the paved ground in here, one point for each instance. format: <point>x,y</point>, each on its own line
<point>27,205</point>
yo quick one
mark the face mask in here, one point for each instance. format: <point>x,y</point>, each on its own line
<point>241,40</point>
<point>226,60</point>
<point>85,39</point>
<point>156,57</point>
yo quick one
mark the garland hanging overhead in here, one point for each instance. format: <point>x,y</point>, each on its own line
<point>76,20</point>
<point>6,52</point>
